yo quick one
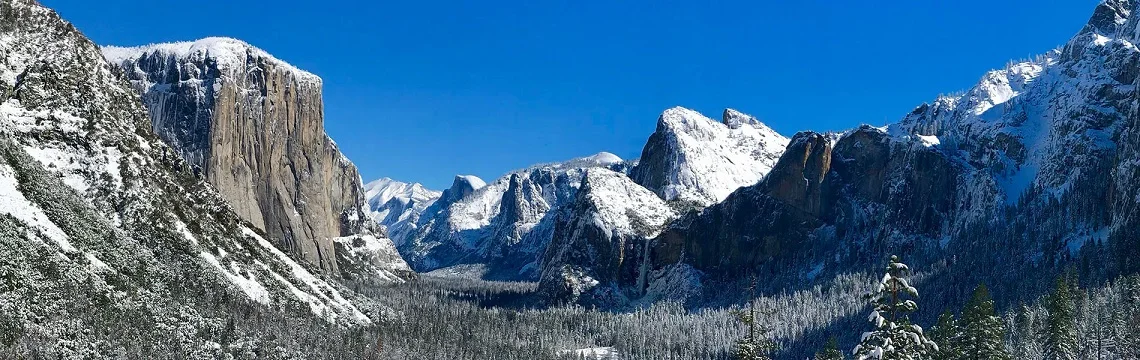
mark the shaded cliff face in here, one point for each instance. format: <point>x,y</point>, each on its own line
<point>254,126</point>
<point>827,195</point>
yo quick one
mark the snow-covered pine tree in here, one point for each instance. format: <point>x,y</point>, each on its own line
<point>894,337</point>
<point>830,351</point>
<point>982,330</point>
<point>756,345</point>
<point>946,334</point>
<point>1060,330</point>
<point>1126,321</point>
<point>1025,338</point>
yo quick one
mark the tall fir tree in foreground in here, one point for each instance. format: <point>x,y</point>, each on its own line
<point>894,337</point>
<point>1060,328</point>
<point>830,351</point>
<point>756,345</point>
<point>982,331</point>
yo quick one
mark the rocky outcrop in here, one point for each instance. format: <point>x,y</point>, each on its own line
<point>254,127</point>
<point>693,159</point>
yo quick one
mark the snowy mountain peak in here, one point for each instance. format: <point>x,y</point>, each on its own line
<point>735,119</point>
<point>227,53</point>
<point>468,181</point>
<point>383,190</point>
<point>603,158</point>
<point>1109,16</point>
<point>693,158</point>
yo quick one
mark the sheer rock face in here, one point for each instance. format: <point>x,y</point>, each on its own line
<point>856,182</point>
<point>254,126</point>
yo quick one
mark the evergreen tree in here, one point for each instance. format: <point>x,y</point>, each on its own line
<point>756,345</point>
<point>894,337</point>
<point>946,334</point>
<point>981,330</point>
<point>1060,330</point>
<point>1026,342</point>
<point>1126,322</point>
<point>830,351</point>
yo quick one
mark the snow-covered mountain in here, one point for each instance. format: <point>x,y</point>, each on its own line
<point>103,226</point>
<point>691,158</point>
<point>503,223</point>
<point>254,126</point>
<point>609,219</point>
<point>397,206</point>
<point>690,162</point>
<point>1025,174</point>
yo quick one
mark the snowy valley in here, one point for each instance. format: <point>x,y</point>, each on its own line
<point>182,200</point>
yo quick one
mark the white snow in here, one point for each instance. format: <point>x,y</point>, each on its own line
<point>379,253</point>
<point>603,158</point>
<point>181,227</point>
<point>397,206</point>
<point>13,202</point>
<point>247,285</point>
<point>326,295</point>
<point>96,264</point>
<point>713,159</point>
<point>229,53</point>
<point>593,353</point>
<point>618,200</point>
<point>475,181</point>
<point>929,140</point>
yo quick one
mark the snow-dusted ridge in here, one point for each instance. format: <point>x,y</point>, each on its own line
<point>227,52</point>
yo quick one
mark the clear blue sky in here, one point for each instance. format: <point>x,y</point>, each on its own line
<point>423,90</point>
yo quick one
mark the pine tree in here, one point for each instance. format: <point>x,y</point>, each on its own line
<point>1060,330</point>
<point>1026,339</point>
<point>946,334</point>
<point>1126,325</point>
<point>981,330</point>
<point>830,351</point>
<point>894,337</point>
<point>756,345</point>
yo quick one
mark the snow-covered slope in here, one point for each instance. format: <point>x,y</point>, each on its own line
<point>397,205</point>
<point>103,225</point>
<point>691,158</point>
<point>503,223</point>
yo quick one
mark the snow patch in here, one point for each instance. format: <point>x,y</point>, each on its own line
<point>592,353</point>
<point>247,285</point>
<point>13,202</point>
<point>326,295</point>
